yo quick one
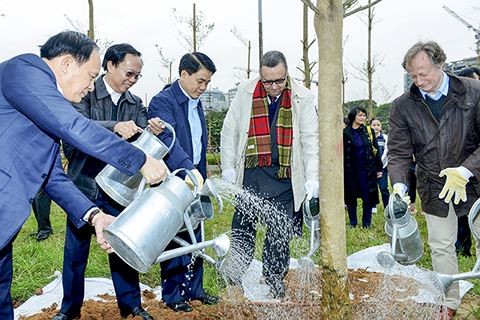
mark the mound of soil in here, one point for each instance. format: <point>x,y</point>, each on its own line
<point>365,289</point>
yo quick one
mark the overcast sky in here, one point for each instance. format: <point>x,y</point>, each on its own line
<point>145,23</point>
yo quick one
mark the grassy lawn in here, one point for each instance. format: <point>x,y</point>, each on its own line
<point>35,262</point>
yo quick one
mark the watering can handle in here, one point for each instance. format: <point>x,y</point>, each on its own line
<point>141,187</point>
<point>170,128</point>
<point>474,210</point>
<point>192,177</point>
<point>174,135</point>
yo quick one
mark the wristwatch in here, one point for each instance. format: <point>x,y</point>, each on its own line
<point>92,214</point>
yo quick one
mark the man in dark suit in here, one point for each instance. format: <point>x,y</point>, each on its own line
<point>180,106</point>
<point>35,113</point>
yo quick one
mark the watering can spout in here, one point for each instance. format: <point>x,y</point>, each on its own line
<point>220,245</point>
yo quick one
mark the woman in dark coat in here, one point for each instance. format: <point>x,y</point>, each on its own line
<point>362,166</point>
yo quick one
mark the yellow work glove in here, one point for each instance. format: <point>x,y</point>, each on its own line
<point>400,189</point>
<point>455,185</point>
<point>199,178</point>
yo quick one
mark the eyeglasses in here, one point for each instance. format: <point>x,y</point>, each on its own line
<point>269,83</point>
<point>129,74</point>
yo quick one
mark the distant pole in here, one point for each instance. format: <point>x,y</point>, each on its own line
<point>260,33</point>
<point>248,63</point>
<point>194,26</point>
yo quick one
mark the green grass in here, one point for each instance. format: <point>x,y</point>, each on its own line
<point>35,262</point>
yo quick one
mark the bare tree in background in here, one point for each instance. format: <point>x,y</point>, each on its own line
<point>197,29</point>
<point>91,21</point>
<point>103,43</point>
<point>349,8</point>
<point>306,44</point>
<point>166,63</point>
<point>247,43</point>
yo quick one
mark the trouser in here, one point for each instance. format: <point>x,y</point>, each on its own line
<point>41,210</point>
<point>182,278</point>
<point>367,210</point>
<point>276,251</point>
<point>383,186</point>
<point>442,234</point>
<point>6,275</point>
<point>77,246</point>
<point>464,237</point>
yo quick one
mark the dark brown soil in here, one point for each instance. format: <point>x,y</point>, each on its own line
<point>363,287</point>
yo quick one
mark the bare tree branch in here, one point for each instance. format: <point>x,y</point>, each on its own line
<point>346,14</point>
<point>311,6</point>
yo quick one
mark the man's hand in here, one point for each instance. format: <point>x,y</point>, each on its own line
<point>229,175</point>
<point>312,188</point>
<point>154,170</point>
<point>126,129</point>
<point>100,222</point>
<point>156,125</point>
<point>455,185</point>
<point>199,178</point>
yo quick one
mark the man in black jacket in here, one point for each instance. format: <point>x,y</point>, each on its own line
<point>112,106</point>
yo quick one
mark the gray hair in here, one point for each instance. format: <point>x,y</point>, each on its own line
<point>431,48</point>
<point>272,59</point>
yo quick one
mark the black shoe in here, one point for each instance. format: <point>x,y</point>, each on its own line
<point>63,316</point>
<point>136,312</point>
<point>207,299</point>
<point>180,306</point>
<point>43,235</point>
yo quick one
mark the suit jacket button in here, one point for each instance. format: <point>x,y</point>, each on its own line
<point>30,200</point>
<point>44,176</point>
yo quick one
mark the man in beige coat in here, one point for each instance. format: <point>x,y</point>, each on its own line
<point>279,165</point>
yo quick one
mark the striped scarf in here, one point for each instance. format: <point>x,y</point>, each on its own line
<point>258,152</point>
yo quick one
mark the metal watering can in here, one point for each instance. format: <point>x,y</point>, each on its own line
<point>446,279</point>
<point>198,211</point>
<point>123,188</point>
<point>402,230</point>
<point>311,218</point>
<point>472,217</point>
<point>141,232</point>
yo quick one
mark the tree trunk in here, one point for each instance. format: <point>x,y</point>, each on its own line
<point>91,22</point>
<point>194,28</point>
<point>369,61</point>
<point>329,28</point>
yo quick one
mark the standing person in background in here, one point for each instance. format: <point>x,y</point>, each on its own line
<point>438,121</point>
<point>41,209</point>
<point>362,166</point>
<point>35,113</point>
<point>382,140</point>
<point>112,106</point>
<point>269,144</point>
<point>179,105</point>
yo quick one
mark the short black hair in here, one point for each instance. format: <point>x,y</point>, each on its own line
<point>272,59</point>
<point>77,44</point>
<point>469,72</point>
<point>353,113</point>
<point>192,62</point>
<point>116,54</point>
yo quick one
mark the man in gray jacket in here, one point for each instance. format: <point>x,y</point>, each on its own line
<point>280,164</point>
<point>438,121</point>
<point>112,106</point>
